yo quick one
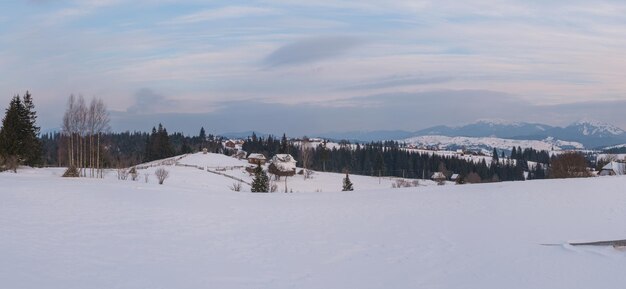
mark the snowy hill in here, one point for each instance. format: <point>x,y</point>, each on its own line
<point>487,143</point>
<point>91,233</point>
<point>217,172</point>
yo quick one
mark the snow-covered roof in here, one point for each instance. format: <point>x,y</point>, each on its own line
<point>617,168</point>
<point>256,156</point>
<point>284,162</point>
<point>454,176</point>
<point>283,158</point>
<point>438,175</point>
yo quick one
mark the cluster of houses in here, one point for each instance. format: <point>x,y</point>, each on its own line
<point>279,165</point>
<point>285,164</point>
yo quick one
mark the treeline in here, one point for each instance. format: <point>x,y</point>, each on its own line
<point>391,158</point>
<point>125,149</point>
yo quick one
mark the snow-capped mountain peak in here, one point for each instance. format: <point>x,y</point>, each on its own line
<point>596,128</point>
<point>497,122</point>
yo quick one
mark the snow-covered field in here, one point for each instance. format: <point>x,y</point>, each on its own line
<point>192,232</point>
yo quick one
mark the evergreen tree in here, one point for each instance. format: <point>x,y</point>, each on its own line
<point>202,138</point>
<point>202,134</point>
<point>19,132</point>
<point>260,184</point>
<point>158,145</point>
<point>32,145</point>
<point>284,145</point>
<point>11,141</point>
<point>495,155</point>
<point>347,184</point>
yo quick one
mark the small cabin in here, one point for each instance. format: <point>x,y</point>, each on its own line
<point>256,159</point>
<point>240,154</point>
<point>230,144</point>
<point>282,165</point>
<point>438,176</point>
<point>613,169</point>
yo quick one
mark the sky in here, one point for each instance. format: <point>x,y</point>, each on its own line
<point>306,67</point>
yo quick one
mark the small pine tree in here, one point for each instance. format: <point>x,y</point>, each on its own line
<point>260,184</point>
<point>495,155</point>
<point>347,184</point>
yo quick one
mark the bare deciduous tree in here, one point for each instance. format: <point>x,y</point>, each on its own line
<point>161,175</point>
<point>82,127</point>
<point>306,153</point>
<point>568,165</point>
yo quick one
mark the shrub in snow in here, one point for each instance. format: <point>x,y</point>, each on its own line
<point>71,172</point>
<point>161,175</point>
<point>402,183</point>
<point>122,174</point>
<point>146,176</point>
<point>473,178</point>
<point>236,187</point>
<point>9,163</point>
<point>133,174</point>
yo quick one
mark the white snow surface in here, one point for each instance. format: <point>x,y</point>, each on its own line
<point>192,232</point>
<point>492,142</point>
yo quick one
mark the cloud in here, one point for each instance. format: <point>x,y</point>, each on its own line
<point>311,50</point>
<point>398,82</point>
<point>148,101</point>
<point>223,13</point>
<point>392,111</point>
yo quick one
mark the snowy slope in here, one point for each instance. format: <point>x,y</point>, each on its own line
<point>191,172</point>
<point>82,233</point>
<point>487,143</point>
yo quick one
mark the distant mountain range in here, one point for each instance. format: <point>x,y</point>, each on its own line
<point>589,133</point>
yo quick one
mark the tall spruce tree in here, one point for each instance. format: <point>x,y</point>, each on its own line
<point>32,145</point>
<point>495,155</point>
<point>284,145</point>
<point>11,141</point>
<point>19,132</point>
<point>260,184</point>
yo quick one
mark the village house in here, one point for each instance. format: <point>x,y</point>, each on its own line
<point>240,154</point>
<point>613,169</point>
<point>256,159</point>
<point>282,165</point>
<point>233,144</point>
<point>439,177</point>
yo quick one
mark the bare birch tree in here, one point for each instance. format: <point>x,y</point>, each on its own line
<point>306,153</point>
<point>81,124</point>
